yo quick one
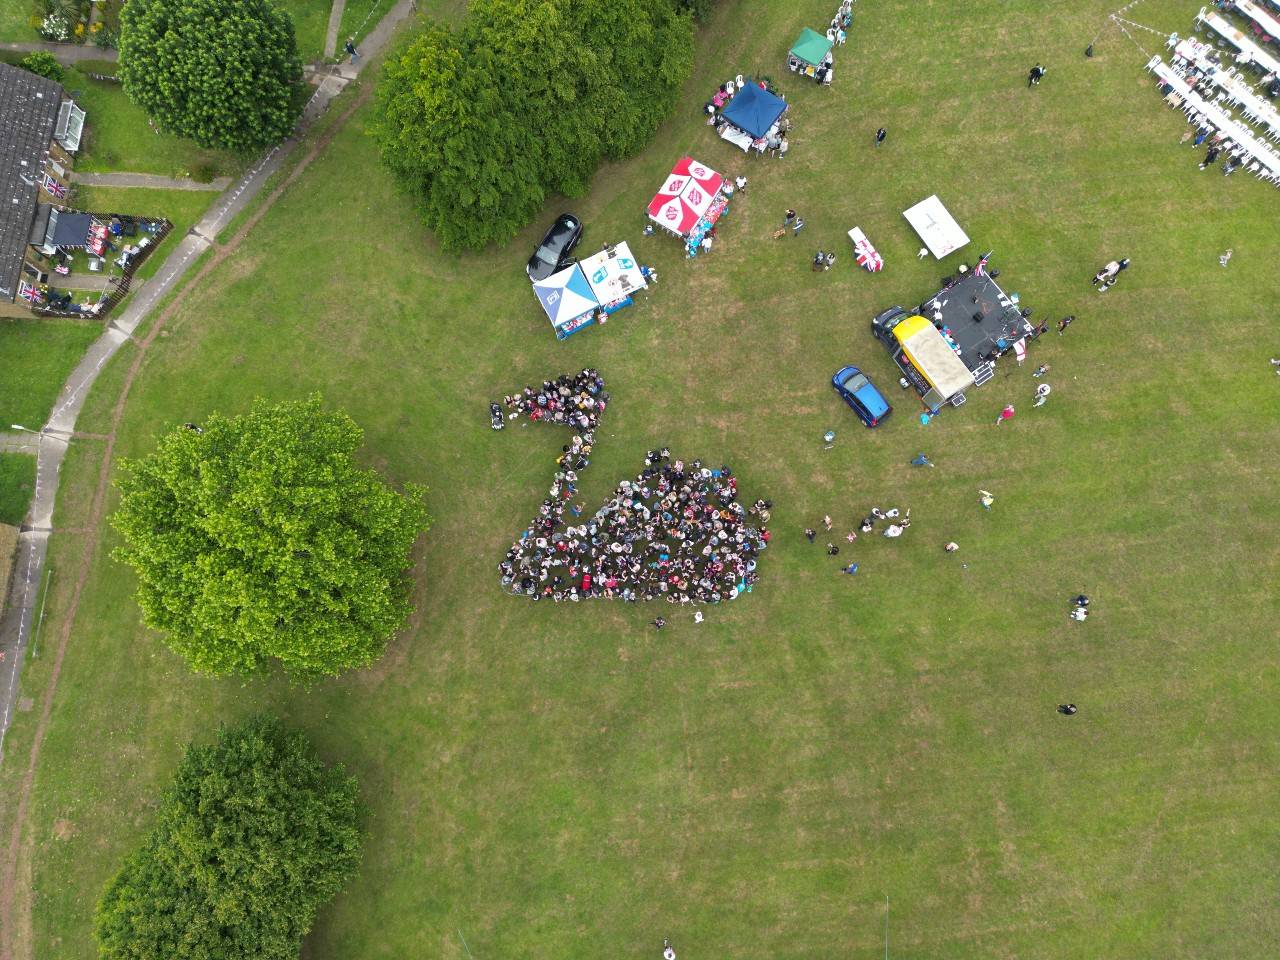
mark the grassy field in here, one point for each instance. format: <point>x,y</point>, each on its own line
<point>563,782</point>
<point>17,483</point>
<point>310,21</point>
<point>15,22</point>
<point>120,140</point>
<point>35,358</point>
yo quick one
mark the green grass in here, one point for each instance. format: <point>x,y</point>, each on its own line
<point>36,357</point>
<point>15,22</point>
<point>310,21</point>
<point>17,484</point>
<point>183,207</point>
<point>566,782</point>
<point>119,139</point>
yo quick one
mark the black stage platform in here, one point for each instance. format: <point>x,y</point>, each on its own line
<point>975,313</point>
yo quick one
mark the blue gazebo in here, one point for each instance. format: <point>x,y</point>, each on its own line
<point>754,111</point>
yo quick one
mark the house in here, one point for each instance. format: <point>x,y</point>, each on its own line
<point>40,130</point>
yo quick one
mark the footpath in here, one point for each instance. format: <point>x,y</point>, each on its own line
<point>50,446</point>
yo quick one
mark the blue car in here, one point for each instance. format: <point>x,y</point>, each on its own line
<point>861,394</point>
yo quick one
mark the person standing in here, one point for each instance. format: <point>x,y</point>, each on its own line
<point>1211,156</point>
<point>1065,322</point>
<point>1005,414</point>
<point>1035,75</point>
<point>1225,258</point>
<point>788,219</point>
<point>659,623</point>
<point>809,534</point>
<point>880,135</point>
<point>797,227</point>
<point>350,48</point>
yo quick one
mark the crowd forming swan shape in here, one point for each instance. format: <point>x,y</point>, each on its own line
<point>676,532</point>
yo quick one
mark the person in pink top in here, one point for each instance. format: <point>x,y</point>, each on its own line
<point>1005,414</point>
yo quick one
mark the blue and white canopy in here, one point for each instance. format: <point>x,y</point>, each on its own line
<point>566,296</point>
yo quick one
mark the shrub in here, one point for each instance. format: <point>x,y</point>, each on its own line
<point>43,65</point>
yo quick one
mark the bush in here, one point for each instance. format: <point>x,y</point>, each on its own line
<point>43,65</point>
<point>221,72</point>
<point>257,539</point>
<point>524,99</point>
<point>254,835</point>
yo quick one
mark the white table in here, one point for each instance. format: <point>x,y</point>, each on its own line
<point>1255,12</point>
<point>1237,37</point>
<point>1217,117</point>
<point>1235,86</point>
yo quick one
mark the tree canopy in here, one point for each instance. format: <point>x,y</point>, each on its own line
<point>253,836</point>
<point>224,73</point>
<point>524,99</point>
<point>257,538</point>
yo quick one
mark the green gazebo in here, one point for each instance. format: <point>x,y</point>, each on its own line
<point>810,49</point>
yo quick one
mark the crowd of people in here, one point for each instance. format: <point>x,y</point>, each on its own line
<point>675,532</point>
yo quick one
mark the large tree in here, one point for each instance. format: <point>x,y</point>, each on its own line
<point>223,72</point>
<point>257,538</point>
<point>524,99</point>
<point>254,835</point>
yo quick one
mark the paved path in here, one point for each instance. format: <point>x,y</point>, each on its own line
<point>18,612</point>
<point>63,52</point>
<point>147,181</point>
<point>18,443</point>
<point>335,22</point>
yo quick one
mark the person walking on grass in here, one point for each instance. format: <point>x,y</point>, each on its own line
<point>986,499</point>
<point>1225,258</point>
<point>659,623</point>
<point>880,135</point>
<point>809,534</point>
<point>1067,709</point>
<point>797,227</point>
<point>1035,75</point>
<point>1042,394</point>
<point>951,547</point>
<point>1005,414</point>
<point>1065,322</point>
<point>850,569</point>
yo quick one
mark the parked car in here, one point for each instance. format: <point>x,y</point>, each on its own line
<point>553,252</point>
<point>861,394</point>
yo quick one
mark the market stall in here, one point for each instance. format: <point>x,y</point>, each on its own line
<point>614,276</point>
<point>568,300</point>
<point>810,56</point>
<point>751,117</point>
<point>690,202</point>
<point>937,228</point>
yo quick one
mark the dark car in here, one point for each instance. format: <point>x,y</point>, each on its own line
<point>861,394</point>
<point>553,252</point>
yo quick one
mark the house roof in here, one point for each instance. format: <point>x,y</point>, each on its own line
<point>28,109</point>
